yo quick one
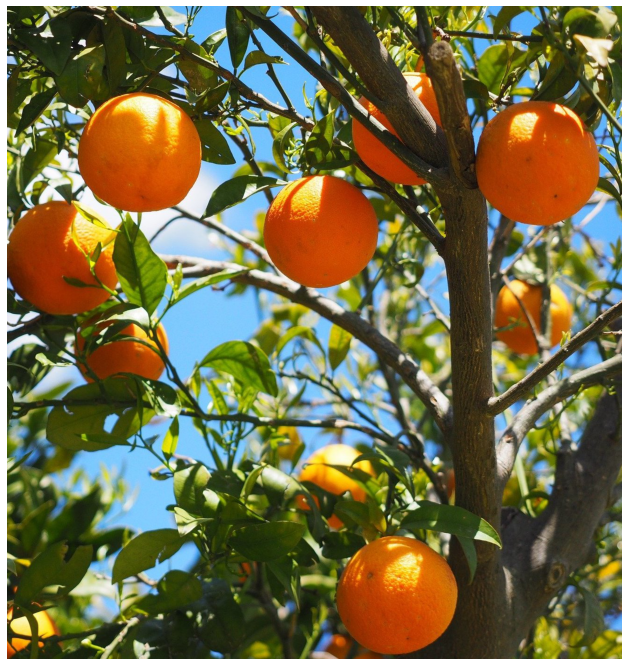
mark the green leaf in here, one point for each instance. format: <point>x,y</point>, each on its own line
<point>304,332</point>
<point>51,568</point>
<point>558,81</point>
<point>10,403</point>
<point>286,571</point>
<point>171,439</point>
<point>144,551</point>
<point>245,362</point>
<point>189,485</point>
<point>279,146</point>
<point>233,191</point>
<point>338,545</point>
<point>278,486</point>
<point>142,274</point>
<point>606,186</point>
<point>238,34</point>
<point>35,107</point>
<point>35,161</point>
<point>206,281</point>
<point>504,17</point>
<point>199,77</point>
<point>593,618</point>
<point>82,78</point>
<point>261,58</point>
<point>91,215</point>
<point>174,590</point>
<point>468,548</point>
<point>358,512</point>
<point>493,65</point>
<point>115,53</point>
<point>80,424</point>
<point>450,519</point>
<point>582,21</point>
<point>224,628</point>
<point>268,541</point>
<point>339,345</point>
<point>146,15</point>
<point>52,46</point>
<point>215,146</point>
<point>320,141</point>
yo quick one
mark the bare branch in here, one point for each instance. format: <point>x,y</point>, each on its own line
<point>513,436</point>
<point>516,392</point>
<point>417,380</point>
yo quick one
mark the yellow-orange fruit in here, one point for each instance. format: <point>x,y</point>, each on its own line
<point>45,628</point>
<point>140,152</point>
<point>286,451</point>
<point>537,163</point>
<point>49,243</point>
<point>374,153</point>
<point>332,480</point>
<point>118,356</point>
<point>520,338</point>
<point>396,595</point>
<point>339,646</point>
<point>320,231</point>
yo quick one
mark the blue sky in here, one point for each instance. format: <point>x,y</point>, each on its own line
<point>209,318</point>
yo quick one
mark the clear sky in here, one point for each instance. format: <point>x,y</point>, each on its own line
<point>209,318</point>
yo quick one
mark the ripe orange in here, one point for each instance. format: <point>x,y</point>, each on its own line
<point>49,243</point>
<point>46,628</point>
<point>286,451</point>
<point>339,646</point>
<point>537,163</point>
<point>140,152</point>
<point>507,310</point>
<point>119,356</point>
<point>374,153</point>
<point>396,595</point>
<point>320,231</point>
<point>332,480</point>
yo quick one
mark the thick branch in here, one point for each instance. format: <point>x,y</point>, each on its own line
<point>421,160</point>
<point>418,382</point>
<point>516,392</point>
<point>378,70</point>
<point>440,65</point>
<point>527,417</point>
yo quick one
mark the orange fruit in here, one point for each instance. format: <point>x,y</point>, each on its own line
<point>332,480</point>
<point>520,338</point>
<point>339,646</point>
<point>286,451</point>
<point>536,163</point>
<point>49,243</point>
<point>140,152</point>
<point>374,153</point>
<point>396,595</point>
<point>118,356</point>
<point>46,627</point>
<point>320,231</point>
<point>245,569</point>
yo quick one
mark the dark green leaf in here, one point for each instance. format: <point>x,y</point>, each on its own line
<point>338,545</point>
<point>115,52</point>
<point>268,541</point>
<point>35,107</point>
<point>142,274</point>
<point>51,568</point>
<point>558,81</point>
<point>215,146</point>
<point>261,58</point>
<point>224,629</point>
<point>468,548</point>
<point>286,571</point>
<point>606,186</point>
<point>35,161</point>
<point>79,425</point>
<point>493,65</point>
<point>450,519</point>
<point>52,46</point>
<point>174,590</point>
<point>593,618</point>
<point>245,362</point>
<point>279,146</point>
<point>320,141</point>
<point>238,189</point>
<point>339,345</point>
<point>206,281</point>
<point>82,78</point>
<point>237,35</point>
<point>189,486</point>
<point>144,551</point>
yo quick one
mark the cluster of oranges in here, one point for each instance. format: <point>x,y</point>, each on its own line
<point>138,152</point>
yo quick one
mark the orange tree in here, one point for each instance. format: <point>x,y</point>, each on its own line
<point>505,463</point>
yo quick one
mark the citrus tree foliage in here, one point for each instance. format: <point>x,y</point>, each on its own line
<point>266,570</point>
